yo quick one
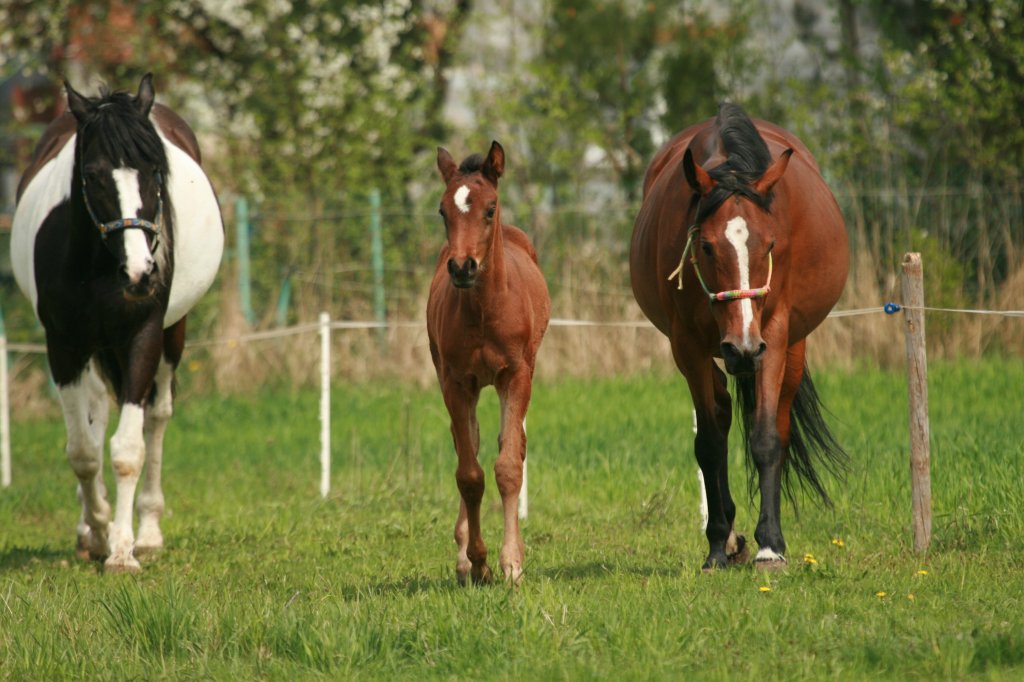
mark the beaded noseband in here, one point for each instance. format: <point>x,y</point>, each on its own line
<point>714,296</point>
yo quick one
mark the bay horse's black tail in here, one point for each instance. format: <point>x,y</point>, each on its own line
<point>811,443</point>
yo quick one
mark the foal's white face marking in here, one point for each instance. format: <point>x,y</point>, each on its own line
<point>737,233</point>
<point>139,261</point>
<point>462,199</point>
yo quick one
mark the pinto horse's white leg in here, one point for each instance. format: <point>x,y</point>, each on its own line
<point>150,504</point>
<point>86,408</point>
<point>127,455</point>
<point>508,469</point>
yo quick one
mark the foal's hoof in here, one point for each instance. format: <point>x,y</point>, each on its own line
<point>478,575</point>
<point>740,554</point>
<point>91,548</point>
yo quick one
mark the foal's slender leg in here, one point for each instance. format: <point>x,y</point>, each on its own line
<point>85,407</point>
<point>150,504</point>
<point>461,402</point>
<point>128,446</point>
<point>514,396</point>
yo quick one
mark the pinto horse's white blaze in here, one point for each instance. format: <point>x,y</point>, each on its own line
<point>138,260</point>
<point>49,188</point>
<point>198,232</point>
<point>737,233</point>
<point>461,198</point>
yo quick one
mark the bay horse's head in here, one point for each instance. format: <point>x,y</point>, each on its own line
<point>469,207</point>
<point>730,245</point>
<point>121,172</point>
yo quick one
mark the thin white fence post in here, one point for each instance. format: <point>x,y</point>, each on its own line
<point>325,404</point>
<point>917,388</point>
<point>523,505</point>
<point>5,417</point>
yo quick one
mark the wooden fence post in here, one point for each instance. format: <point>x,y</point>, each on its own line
<point>912,282</point>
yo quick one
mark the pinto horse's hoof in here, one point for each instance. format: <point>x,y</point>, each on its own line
<point>129,565</point>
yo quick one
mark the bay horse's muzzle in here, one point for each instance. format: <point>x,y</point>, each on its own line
<point>463,276</point>
<point>742,361</point>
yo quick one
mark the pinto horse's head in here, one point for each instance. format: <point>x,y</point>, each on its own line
<point>121,169</point>
<point>731,242</point>
<point>469,207</point>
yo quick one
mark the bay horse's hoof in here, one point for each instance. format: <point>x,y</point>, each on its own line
<point>767,560</point>
<point>740,555</point>
<point>715,563</point>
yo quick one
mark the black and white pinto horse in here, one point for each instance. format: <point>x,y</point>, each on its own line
<point>117,234</point>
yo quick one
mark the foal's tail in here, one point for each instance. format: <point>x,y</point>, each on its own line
<point>811,444</point>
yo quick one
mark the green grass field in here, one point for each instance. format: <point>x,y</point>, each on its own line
<point>262,579</point>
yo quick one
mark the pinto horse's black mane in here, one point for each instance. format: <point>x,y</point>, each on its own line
<point>747,158</point>
<point>123,134</point>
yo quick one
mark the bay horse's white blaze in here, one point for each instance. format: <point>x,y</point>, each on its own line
<point>198,232</point>
<point>138,260</point>
<point>461,198</point>
<point>50,187</point>
<point>737,233</point>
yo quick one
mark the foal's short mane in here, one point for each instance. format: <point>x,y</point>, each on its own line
<point>123,133</point>
<point>747,158</point>
<point>472,164</point>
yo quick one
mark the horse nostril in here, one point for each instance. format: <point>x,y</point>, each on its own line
<point>452,266</point>
<point>729,350</point>
<point>470,266</point>
<point>761,348</point>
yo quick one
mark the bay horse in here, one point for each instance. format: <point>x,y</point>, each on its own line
<point>487,312</point>
<point>117,233</point>
<point>739,251</point>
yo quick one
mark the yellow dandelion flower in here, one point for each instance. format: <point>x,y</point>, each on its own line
<point>910,596</point>
<point>880,595</point>
<point>922,572</point>
<point>764,588</point>
<point>194,365</point>
<point>838,542</point>
<point>809,559</point>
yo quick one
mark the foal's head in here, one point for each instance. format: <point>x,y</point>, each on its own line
<point>121,166</point>
<point>731,243</point>
<point>469,207</point>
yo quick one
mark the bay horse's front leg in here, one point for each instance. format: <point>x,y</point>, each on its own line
<point>128,445</point>
<point>461,402</point>
<point>766,448</point>
<point>514,396</point>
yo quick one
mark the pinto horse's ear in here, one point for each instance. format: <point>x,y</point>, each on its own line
<point>494,166</point>
<point>144,100</point>
<point>77,104</point>
<point>695,174</point>
<point>446,164</point>
<point>774,173</point>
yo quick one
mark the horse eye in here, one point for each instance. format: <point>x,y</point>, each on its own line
<point>706,248</point>
<point>490,212</point>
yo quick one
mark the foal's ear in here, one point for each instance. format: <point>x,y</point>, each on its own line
<point>144,100</point>
<point>77,104</point>
<point>446,164</point>
<point>695,174</point>
<point>494,166</point>
<point>774,173</point>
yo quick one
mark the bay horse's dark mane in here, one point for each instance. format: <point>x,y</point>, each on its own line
<point>123,133</point>
<point>747,158</point>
